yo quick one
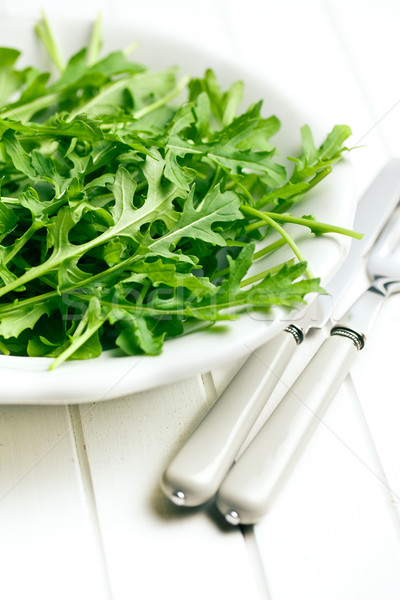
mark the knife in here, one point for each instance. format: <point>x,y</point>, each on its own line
<point>199,467</point>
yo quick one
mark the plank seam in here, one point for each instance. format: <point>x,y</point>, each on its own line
<point>75,419</point>
<point>210,390</point>
<point>256,561</point>
<point>381,475</point>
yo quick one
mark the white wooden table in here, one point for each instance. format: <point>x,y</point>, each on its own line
<point>81,514</point>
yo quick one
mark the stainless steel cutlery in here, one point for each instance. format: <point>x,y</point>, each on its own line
<point>246,493</point>
<point>200,468</point>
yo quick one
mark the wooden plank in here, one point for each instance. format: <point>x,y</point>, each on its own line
<point>375,377</point>
<point>368,33</point>
<point>294,46</point>
<point>224,375</point>
<point>49,546</point>
<point>332,531</point>
<point>154,549</point>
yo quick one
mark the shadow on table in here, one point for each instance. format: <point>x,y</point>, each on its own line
<point>167,511</point>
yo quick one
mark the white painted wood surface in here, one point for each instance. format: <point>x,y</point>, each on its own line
<point>80,512</point>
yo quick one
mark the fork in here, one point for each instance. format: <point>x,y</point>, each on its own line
<point>250,487</point>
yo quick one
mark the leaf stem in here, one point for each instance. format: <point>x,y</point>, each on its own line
<point>95,41</point>
<point>130,48</point>
<point>313,225</point>
<point>316,225</point>
<point>235,181</point>
<point>106,91</point>
<point>20,243</point>
<point>270,248</point>
<point>14,201</point>
<point>44,32</point>
<point>76,343</point>
<point>263,274</point>
<point>270,221</point>
<point>255,225</point>
<point>274,194</point>
<point>33,107</point>
<point>245,191</point>
<point>180,311</point>
<point>11,306</point>
<point>170,96</point>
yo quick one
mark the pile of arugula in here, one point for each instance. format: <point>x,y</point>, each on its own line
<point>126,220</point>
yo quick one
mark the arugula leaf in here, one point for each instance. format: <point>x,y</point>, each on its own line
<point>10,79</point>
<point>129,214</point>
<point>159,273</point>
<point>282,289</point>
<point>223,104</point>
<point>311,159</point>
<point>8,221</point>
<point>18,318</point>
<point>197,223</point>
<point>231,147</point>
<point>137,336</point>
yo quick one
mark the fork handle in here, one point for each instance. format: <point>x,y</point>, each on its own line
<point>247,492</point>
<point>198,469</point>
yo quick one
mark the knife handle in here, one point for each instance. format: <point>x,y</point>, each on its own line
<point>196,472</point>
<point>249,488</point>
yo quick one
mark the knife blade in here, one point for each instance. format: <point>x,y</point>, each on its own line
<point>199,467</point>
<point>383,193</point>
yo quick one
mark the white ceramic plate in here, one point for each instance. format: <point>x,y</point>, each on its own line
<point>27,380</point>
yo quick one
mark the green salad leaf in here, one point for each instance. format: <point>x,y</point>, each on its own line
<point>132,201</point>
